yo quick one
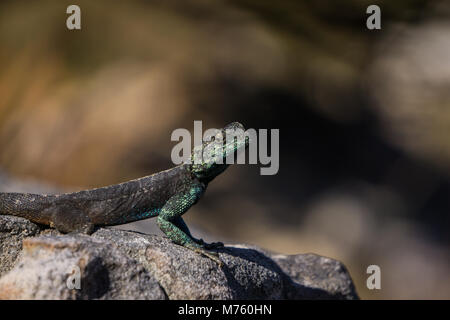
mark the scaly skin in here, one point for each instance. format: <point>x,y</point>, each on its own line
<point>167,195</point>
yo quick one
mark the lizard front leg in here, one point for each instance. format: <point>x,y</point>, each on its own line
<point>169,222</point>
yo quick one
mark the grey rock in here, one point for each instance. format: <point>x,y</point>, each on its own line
<point>185,274</point>
<point>330,280</point>
<point>49,265</point>
<point>118,264</point>
<point>12,231</point>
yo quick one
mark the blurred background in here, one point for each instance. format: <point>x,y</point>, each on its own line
<point>364,119</point>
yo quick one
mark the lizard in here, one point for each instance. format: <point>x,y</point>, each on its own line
<point>166,195</point>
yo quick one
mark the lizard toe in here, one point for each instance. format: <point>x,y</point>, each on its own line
<point>214,256</point>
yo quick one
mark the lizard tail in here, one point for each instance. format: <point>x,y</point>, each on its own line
<point>25,205</point>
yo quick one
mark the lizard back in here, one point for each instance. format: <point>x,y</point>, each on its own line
<point>111,205</point>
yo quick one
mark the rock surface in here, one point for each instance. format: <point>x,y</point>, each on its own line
<point>12,231</point>
<point>38,263</point>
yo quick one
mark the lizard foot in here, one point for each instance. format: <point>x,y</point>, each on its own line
<point>214,256</point>
<point>212,245</point>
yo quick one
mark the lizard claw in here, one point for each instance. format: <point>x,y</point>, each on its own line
<point>209,254</point>
<point>214,256</point>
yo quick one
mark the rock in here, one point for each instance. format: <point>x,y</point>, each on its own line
<point>12,231</point>
<point>323,276</point>
<point>185,274</point>
<point>48,262</point>
<point>118,264</point>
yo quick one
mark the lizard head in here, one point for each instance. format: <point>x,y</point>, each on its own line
<point>210,159</point>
